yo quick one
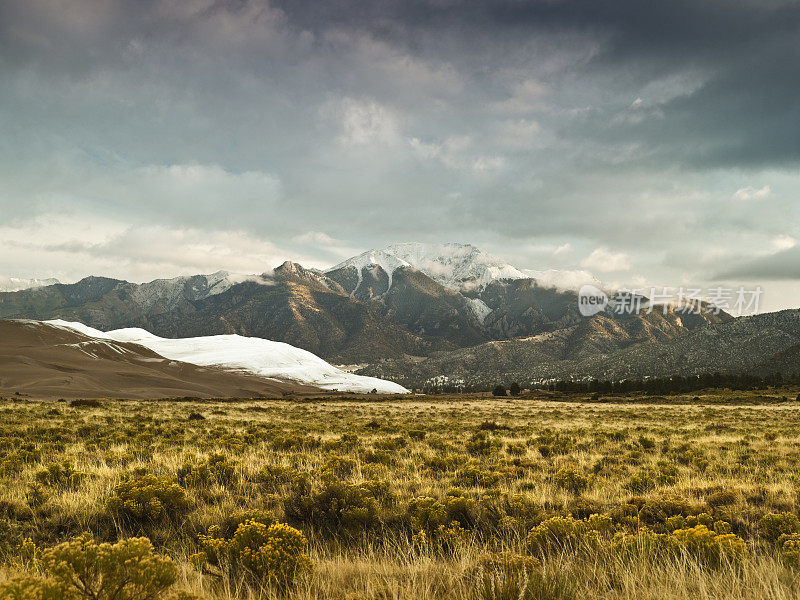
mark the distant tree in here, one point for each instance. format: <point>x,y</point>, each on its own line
<point>499,390</point>
<point>514,389</point>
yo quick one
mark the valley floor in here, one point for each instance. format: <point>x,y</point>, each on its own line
<point>473,498</point>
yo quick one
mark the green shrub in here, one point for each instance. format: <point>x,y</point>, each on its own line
<point>644,543</point>
<point>147,498</point>
<point>28,553</point>
<point>656,510</point>
<point>722,498</point>
<point>60,475</point>
<point>417,434</point>
<point>680,522</point>
<point>640,482</point>
<point>571,479</point>
<point>507,563</point>
<point>473,475</point>
<point>85,403</point>
<point>452,538</point>
<point>461,508</point>
<point>393,444</point>
<point>790,549</point>
<point>516,449</point>
<point>230,524</point>
<point>337,508</point>
<point>482,444</point>
<point>426,513</point>
<point>268,555</point>
<point>773,525</point>
<point>215,469</point>
<point>28,587</point>
<point>82,569</point>
<point>36,494</point>
<point>339,466</point>
<point>272,477</point>
<point>666,473</point>
<point>647,443</point>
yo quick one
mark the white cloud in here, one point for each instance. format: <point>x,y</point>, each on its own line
<point>518,134</point>
<point>562,249</point>
<point>563,279</point>
<point>484,164</point>
<point>604,260</point>
<point>783,242</point>
<point>73,246</point>
<point>456,153</point>
<point>318,240</point>
<point>746,194</point>
<point>365,122</point>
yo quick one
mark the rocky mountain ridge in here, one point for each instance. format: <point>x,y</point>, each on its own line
<point>452,312</point>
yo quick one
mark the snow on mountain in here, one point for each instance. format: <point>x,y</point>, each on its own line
<point>248,354</point>
<point>480,308</point>
<point>461,267</point>
<point>15,284</point>
<point>456,266</point>
<point>170,291</point>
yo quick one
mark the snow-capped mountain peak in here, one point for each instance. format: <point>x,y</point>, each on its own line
<point>456,266</point>
<point>15,284</point>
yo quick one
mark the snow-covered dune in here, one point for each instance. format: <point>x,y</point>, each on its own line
<point>247,354</point>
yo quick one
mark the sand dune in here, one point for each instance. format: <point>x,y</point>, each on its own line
<point>45,361</point>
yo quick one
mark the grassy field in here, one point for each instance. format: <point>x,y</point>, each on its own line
<point>549,497</point>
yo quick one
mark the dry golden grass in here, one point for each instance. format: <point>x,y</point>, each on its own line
<point>497,466</point>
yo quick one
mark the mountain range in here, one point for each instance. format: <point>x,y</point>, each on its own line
<point>421,313</point>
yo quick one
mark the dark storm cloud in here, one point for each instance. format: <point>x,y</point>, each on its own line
<point>745,55</point>
<point>322,128</point>
<point>779,266</point>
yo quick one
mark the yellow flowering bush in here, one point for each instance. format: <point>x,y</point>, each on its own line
<point>708,546</point>
<point>705,545</point>
<point>27,552</point>
<point>452,537</point>
<point>270,555</point>
<point>567,533</point>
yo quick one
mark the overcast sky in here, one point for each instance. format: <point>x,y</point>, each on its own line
<point>651,143</point>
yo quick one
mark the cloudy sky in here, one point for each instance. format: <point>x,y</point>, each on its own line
<point>651,143</point>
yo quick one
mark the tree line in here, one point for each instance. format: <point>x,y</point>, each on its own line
<point>675,384</point>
